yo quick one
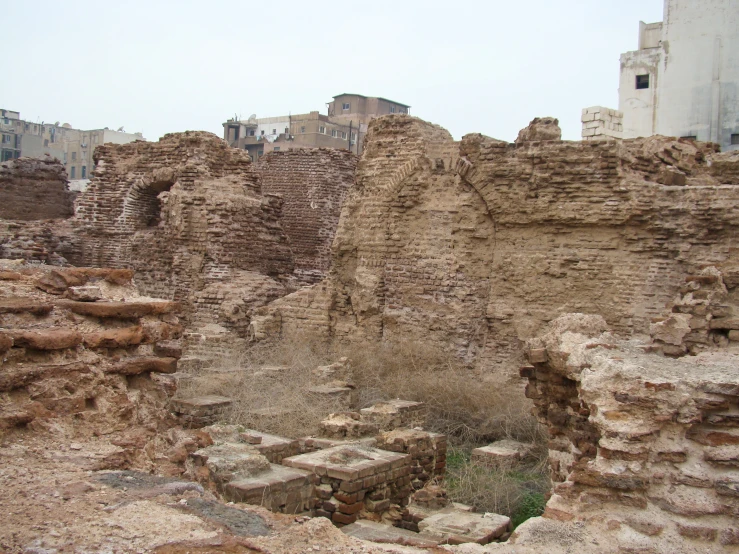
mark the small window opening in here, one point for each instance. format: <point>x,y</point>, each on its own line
<point>392,109</point>
<point>277,149</point>
<point>642,81</point>
<point>345,106</point>
<point>735,138</point>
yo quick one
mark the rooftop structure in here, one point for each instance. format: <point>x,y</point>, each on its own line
<point>682,81</point>
<point>73,147</point>
<point>344,127</point>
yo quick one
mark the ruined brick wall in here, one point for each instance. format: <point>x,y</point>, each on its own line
<point>32,189</point>
<point>188,214</point>
<point>477,245</point>
<point>35,207</point>
<point>313,185</point>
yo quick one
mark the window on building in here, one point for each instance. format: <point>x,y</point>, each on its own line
<point>84,172</point>
<point>274,131</point>
<point>74,156</point>
<point>735,138</point>
<point>690,137</point>
<point>333,133</point>
<point>287,130</point>
<point>6,138</point>
<point>642,81</point>
<point>392,109</point>
<point>345,106</point>
<point>302,129</point>
<point>251,132</point>
<point>322,130</point>
<point>262,132</point>
<point>72,172</point>
<point>277,149</point>
<point>261,153</point>
<point>354,137</point>
<point>343,135</point>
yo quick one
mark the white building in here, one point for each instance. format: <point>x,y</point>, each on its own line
<point>684,79</point>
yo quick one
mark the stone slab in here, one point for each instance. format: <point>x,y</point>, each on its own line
<point>460,527</point>
<point>200,405</point>
<point>347,462</point>
<point>377,532</point>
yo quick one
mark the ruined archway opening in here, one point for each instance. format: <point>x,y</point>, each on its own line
<point>144,206</point>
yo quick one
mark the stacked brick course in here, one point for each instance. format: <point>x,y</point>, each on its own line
<point>476,245</point>
<point>313,184</point>
<point>32,189</point>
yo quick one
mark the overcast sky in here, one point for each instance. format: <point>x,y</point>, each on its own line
<point>163,66</point>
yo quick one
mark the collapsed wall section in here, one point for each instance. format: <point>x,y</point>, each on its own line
<point>313,185</point>
<point>642,446</point>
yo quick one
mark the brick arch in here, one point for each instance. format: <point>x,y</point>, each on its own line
<point>142,204</point>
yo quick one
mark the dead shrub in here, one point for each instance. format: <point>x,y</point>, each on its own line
<point>462,404</point>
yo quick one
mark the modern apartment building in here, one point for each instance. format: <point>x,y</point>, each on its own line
<point>73,147</point>
<point>343,127</point>
<point>683,80</point>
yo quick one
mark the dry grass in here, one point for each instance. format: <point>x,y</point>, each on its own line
<point>470,410</point>
<point>269,386</point>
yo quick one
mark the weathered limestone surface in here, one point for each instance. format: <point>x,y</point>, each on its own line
<point>313,184</point>
<point>477,245</point>
<point>638,440</point>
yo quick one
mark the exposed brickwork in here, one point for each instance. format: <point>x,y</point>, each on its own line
<point>476,245</point>
<point>32,189</point>
<point>188,214</point>
<point>313,184</point>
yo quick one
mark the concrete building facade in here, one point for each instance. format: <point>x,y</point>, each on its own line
<point>344,127</point>
<point>683,80</point>
<point>73,147</point>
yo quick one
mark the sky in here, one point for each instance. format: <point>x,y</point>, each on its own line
<point>161,66</point>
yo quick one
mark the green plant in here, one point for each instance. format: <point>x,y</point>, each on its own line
<point>531,505</point>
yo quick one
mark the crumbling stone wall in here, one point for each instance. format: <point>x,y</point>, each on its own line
<point>477,245</point>
<point>641,445</point>
<point>32,189</point>
<point>313,184</point>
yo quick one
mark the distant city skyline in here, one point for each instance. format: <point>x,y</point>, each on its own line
<point>156,68</point>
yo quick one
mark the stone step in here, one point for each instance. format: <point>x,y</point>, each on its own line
<point>396,414</point>
<point>460,527</point>
<point>200,411</point>
<point>504,451</point>
<point>279,489</point>
<point>377,532</point>
<point>274,448</point>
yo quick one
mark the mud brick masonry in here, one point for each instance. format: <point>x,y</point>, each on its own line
<point>476,245</point>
